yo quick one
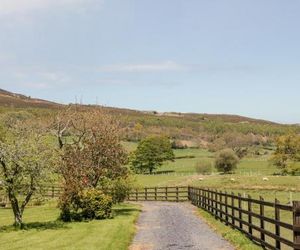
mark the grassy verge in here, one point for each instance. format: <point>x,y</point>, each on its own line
<point>45,232</point>
<point>236,238</point>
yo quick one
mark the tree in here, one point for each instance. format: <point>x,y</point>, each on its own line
<point>25,161</point>
<point>151,153</point>
<point>226,161</point>
<point>287,153</point>
<point>90,150</point>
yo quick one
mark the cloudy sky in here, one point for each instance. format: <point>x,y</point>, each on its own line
<point>212,56</point>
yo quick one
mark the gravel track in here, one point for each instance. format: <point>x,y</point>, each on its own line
<point>165,225</point>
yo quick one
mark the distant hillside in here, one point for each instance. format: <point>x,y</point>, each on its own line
<point>9,99</point>
<point>205,130</point>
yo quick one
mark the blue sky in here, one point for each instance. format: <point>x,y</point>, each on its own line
<point>213,56</point>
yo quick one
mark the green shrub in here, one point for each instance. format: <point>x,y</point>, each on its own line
<point>203,167</point>
<point>95,205</point>
<point>226,161</point>
<point>121,189</point>
<point>88,205</point>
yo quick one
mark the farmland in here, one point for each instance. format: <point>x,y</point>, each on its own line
<point>248,178</point>
<point>43,231</point>
<point>205,134</point>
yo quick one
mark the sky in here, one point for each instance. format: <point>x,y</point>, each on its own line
<point>204,56</point>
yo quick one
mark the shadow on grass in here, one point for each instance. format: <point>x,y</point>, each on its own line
<point>50,225</point>
<point>124,211</point>
<point>163,172</point>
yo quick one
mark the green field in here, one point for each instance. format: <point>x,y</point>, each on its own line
<point>247,180</point>
<point>45,232</point>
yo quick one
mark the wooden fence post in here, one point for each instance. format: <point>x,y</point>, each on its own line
<point>216,204</point>
<point>136,195</point>
<point>208,200</point>
<point>226,208</point>
<point>205,199</point>
<point>201,198</point>
<point>177,195</point>
<point>240,212</point>
<point>262,222</point>
<point>296,224</point>
<point>146,194</point>
<point>249,215</point>
<point>232,209</point>
<point>166,194</point>
<point>277,227</point>
<point>221,206</point>
<point>155,193</point>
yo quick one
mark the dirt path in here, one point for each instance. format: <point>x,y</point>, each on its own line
<point>165,225</point>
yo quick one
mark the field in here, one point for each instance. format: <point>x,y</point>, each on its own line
<point>247,180</point>
<point>45,232</point>
<point>249,174</point>
<point>42,226</point>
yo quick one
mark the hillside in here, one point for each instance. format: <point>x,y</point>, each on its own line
<point>9,99</point>
<point>207,130</point>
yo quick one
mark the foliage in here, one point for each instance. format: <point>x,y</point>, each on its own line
<point>25,162</point>
<point>226,161</point>
<point>203,167</point>
<point>151,153</point>
<point>120,189</point>
<point>90,150</point>
<point>95,204</point>
<point>89,204</point>
<point>287,154</point>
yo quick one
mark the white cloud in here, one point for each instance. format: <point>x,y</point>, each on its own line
<point>12,7</point>
<point>148,67</point>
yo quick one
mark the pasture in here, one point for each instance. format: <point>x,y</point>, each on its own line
<point>44,231</point>
<point>42,226</point>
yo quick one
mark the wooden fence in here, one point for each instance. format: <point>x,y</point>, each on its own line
<point>260,220</point>
<point>176,194</point>
<point>270,224</point>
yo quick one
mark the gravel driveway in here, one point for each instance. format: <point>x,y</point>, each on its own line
<point>165,225</point>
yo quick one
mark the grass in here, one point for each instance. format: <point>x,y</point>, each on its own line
<point>248,180</point>
<point>161,180</point>
<point>45,232</point>
<point>236,238</point>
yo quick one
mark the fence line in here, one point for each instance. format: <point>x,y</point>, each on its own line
<point>271,224</point>
<point>231,210</point>
<point>176,194</point>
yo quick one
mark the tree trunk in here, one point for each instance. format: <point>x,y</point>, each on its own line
<point>18,219</point>
<point>18,214</point>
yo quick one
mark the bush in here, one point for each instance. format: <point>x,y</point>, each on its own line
<point>88,205</point>
<point>226,161</point>
<point>203,167</point>
<point>121,189</point>
<point>95,205</point>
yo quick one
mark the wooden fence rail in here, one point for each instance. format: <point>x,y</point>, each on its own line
<point>176,194</point>
<point>258,219</point>
<point>271,224</point>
